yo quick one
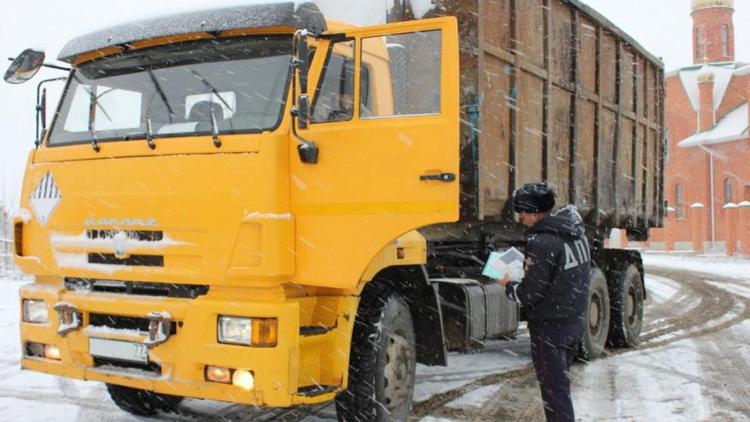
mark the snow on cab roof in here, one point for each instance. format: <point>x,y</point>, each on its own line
<point>293,14</point>
<point>733,127</point>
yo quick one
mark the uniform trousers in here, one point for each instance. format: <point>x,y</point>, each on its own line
<point>554,347</point>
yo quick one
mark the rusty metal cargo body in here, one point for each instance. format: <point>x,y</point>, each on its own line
<point>551,90</point>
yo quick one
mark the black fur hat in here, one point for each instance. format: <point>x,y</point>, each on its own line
<point>533,198</point>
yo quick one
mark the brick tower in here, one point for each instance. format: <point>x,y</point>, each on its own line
<point>713,31</point>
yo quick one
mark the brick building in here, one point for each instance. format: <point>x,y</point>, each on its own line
<point>707,173</point>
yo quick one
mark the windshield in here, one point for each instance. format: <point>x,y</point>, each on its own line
<point>236,84</point>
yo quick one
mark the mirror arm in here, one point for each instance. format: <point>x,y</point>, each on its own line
<point>54,66</point>
<point>41,108</point>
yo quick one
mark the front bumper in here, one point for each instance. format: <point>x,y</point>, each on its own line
<point>180,361</point>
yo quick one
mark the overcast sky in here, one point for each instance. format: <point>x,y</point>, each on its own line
<point>663,27</point>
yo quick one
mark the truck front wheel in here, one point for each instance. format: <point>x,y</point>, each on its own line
<point>627,309</point>
<point>382,365</point>
<point>141,402</point>
<point>596,326</point>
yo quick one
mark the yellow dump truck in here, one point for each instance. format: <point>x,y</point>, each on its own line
<point>260,205</point>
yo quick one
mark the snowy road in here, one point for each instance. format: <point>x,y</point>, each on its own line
<point>693,364</point>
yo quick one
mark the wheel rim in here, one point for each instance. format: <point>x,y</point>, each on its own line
<point>595,310</point>
<point>630,306</point>
<point>398,373</point>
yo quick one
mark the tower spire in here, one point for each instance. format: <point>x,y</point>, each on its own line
<point>713,31</point>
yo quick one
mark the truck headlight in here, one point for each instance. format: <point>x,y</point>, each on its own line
<point>35,311</point>
<point>257,332</point>
<point>234,330</point>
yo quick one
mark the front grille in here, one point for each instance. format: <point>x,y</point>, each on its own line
<point>184,291</point>
<point>124,322</point>
<point>142,235</point>
<point>132,260</point>
<point>104,363</point>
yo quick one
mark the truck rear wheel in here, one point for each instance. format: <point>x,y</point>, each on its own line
<point>382,365</point>
<point>627,309</point>
<point>597,324</point>
<point>142,402</point>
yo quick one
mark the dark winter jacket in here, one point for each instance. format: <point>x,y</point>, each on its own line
<point>557,269</point>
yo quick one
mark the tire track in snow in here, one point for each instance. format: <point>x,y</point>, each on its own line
<point>698,309</point>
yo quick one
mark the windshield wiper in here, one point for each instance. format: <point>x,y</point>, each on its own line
<point>214,128</point>
<point>94,143</point>
<point>161,93</point>
<point>92,112</point>
<point>214,124</point>
<point>211,87</point>
<point>149,136</point>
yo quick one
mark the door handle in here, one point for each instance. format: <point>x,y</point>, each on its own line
<point>440,177</point>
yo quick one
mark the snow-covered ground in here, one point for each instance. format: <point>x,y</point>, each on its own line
<point>688,376</point>
<point>719,265</point>
<point>670,382</point>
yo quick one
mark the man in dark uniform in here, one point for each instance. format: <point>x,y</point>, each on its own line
<point>553,291</point>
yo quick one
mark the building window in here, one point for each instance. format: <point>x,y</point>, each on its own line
<point>698,43</point>
<point>679,201</point>
<point>725,40</point>
<point>667,145</point>
<point>727,190</point>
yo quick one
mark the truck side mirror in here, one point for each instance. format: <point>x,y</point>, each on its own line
<point>308,151</point>
<point>24,67</point>
<point>300,59</point>
<point>303,111</point>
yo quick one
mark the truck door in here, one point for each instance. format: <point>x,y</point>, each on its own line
<point>385,117</point>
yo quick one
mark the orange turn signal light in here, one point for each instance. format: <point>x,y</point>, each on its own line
<point>265,332</point>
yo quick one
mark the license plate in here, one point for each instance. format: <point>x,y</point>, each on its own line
<point>119,350</point>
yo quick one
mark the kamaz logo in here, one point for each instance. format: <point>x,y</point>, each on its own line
<point>125,222</point>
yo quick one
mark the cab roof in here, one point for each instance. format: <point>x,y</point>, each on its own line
<point>296,15</point>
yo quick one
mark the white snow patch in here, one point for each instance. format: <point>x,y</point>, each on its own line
<point>81,261</point>
<point>266,216</point>
<point>722,77</point>
<point>82,241</point>
<point>497,356</point>
<point>660,289</point>
<point>13,409</point>
<point>737,289</point>
<point>732,127</point>
<point>101,331</point>
<point>656,385</point>
<point>733,313</point>
<point>719,265</point>
<point>476,398</point>
<point>23,214</point>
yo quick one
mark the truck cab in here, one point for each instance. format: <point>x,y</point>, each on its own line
<point>201,224</point>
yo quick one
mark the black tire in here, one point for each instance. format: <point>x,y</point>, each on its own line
<point>627,309</point>
<point>596,326</point>
<point>142,402</point>
<point>382,365</point>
